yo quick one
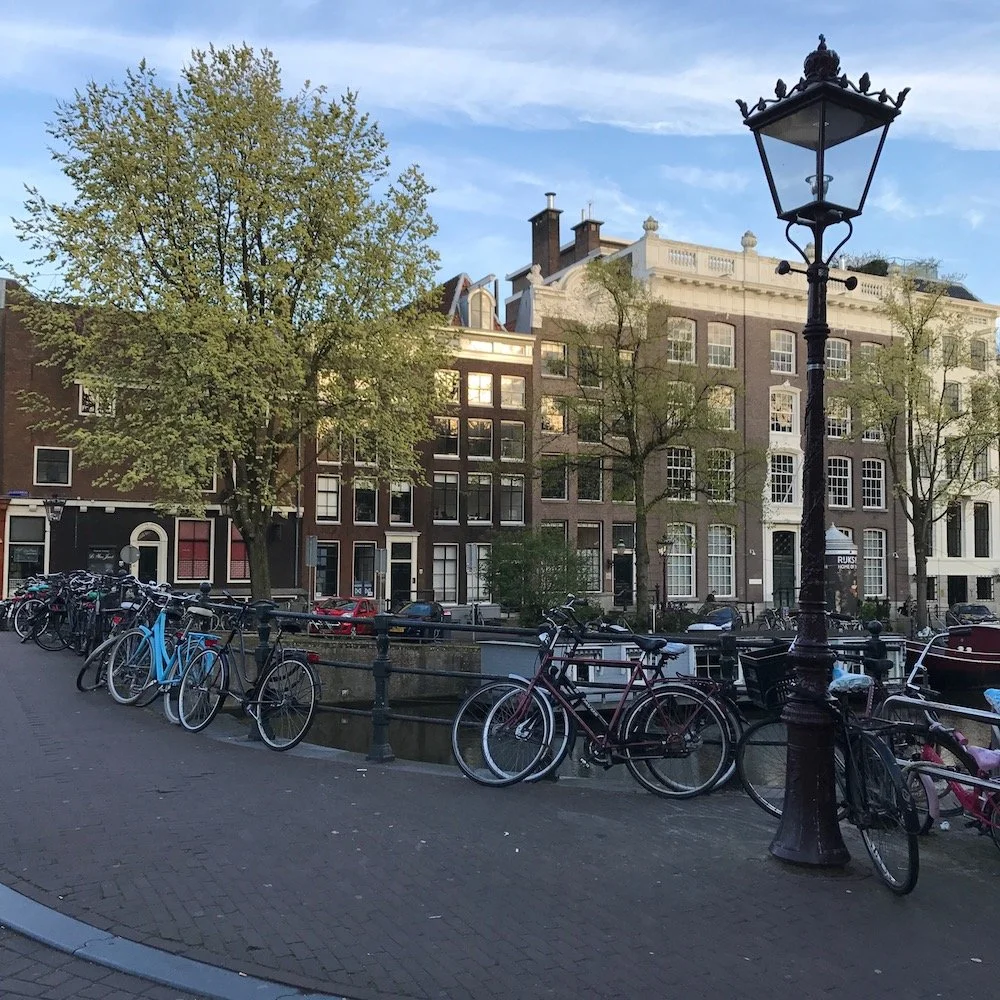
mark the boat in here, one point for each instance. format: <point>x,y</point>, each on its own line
<point>964,656</point>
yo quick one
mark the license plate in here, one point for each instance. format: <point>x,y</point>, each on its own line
<point>395,628</point>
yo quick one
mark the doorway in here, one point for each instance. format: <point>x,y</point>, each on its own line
<point>400,574</point>
<point>151,541</point>
<point>958,590</point>
<point>783,584</point>
<point>622,579</point>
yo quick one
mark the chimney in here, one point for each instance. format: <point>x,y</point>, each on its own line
<point>545,236</point>
<point>588,235</point>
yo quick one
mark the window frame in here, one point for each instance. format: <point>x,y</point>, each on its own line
<point>35,481</point>
<point>792,477</point>
<point>551,465</point>
<point>503,440</point>
<point>323,518</point>
<point>867,481</point>
<point>482,486</point>
<point>456,437</point>
<point>874,557</point>
<point>445,488</point>
<point>680,344</point>
<point>780,350</point>
<point>728,332</point>
<point>513,482</point>
<point>506,394</point>
<point>357,486</point>
<point>591,464</point>
<point>774,412</point>
<point>845,480</point>
<point>445,568</point>
<point>483,391</point>
<point>545,362</point>
<point>837,367</point>
<point>232,544</point>
<point>469,438</point>
<point>672,470</point>
<point>727,586</point>
<point>210,575</point>
<point>400,488</point>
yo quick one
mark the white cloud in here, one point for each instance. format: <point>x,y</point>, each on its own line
<point>710,180</point>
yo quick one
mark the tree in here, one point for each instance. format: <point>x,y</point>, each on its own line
<point>932,421</point>
<point>241,273</point>
<point>665,425</point>
<point>532,571</point>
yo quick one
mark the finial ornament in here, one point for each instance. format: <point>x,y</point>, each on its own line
<point>822,64</point>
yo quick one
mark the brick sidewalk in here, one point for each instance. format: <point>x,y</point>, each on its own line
<point>397,882</point>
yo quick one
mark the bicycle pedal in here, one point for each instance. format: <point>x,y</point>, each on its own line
<point>585,763</point>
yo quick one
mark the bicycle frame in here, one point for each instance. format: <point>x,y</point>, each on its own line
<point>165,660</point>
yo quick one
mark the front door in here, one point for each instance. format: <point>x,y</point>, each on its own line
<point>958,590</point>
<point>400,574</point>
<point>148,562</point>
<point>622,580</point>
<point>783,569</point>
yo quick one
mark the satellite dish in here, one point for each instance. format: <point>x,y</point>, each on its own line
<point>129,554</point>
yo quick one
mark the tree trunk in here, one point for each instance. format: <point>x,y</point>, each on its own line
<point>254,532</point>
<point>641,554</point>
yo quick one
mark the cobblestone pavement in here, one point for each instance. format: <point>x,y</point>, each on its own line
<point>406,882</point>
<point>32,970</point>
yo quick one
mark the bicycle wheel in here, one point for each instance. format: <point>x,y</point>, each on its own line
<point>131,669</point>
<point>510,732</point>
<point>761,763</point>
<point>561,742</point>
<point>883,811</point>
<point>530,739</point>
<point>203,689</point>
<point>676,742</point>
<point>922,790</point>
<point>171,689</point>
<point>48,632</point>
<point>24,615</point>
<point>286,703</point>
<point>93,673</point>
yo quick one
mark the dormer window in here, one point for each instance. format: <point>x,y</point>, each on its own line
<point>480,310</point>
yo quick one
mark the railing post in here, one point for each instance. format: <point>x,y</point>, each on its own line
<point>380,749</point>
<point>260,655</point>
<point>728,657</point>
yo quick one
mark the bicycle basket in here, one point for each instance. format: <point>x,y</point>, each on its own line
<point>767,675</point>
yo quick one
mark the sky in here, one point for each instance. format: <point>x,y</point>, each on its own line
<point>623,109</point>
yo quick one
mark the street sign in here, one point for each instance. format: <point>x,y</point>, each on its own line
<point>381,560</point>
<point>312,550</point>
<point>17,494</point>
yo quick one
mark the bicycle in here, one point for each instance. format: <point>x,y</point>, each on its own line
<point>671,738</point>
<point>281,700</point>
<point>872,793</point>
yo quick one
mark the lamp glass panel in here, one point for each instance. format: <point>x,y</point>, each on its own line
<point>790,164</point>
<point>849,165</point>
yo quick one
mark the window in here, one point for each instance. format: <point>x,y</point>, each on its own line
<point>553,477</point>
<point>554,362</point>
<point>949,352</point>
<point>984,588</point>
<point>952,398</point>
<point>446,437</point>
<point>680,339</point>
<point>476,587</point>
<point>954,453</point>
<point>480,389</point>
<point>480,443</point>
<point>782,479</point>
<point>479,506</point>
<point>873,484</point>
<point>512,499</point>
<point>446,573</point>
<point>783,412</point>
<point>511,441</point>
<point>365,450</point>
<point>720,345</point>
<point>512,392</point>
<point>622,482</point>
<point>679,470</point>
<point>557,528</point>
<point>363,584</point>
<point>721,565</point>
<point>447,380</point>
<point>365,501</point>
<point>977,355</point>
<point>327,444</point>
<point>868,353</point>
<point>838,358</point>
<point>838,418</point>
<point>838,482</point>
<point>401,503</point>
<point>680,560</point>
<point>94,404</point>
<point>588,422</point>
<point>328,498</point>
<point>590,480</point>
<point>239,560</point>
<point>589,367</point>
<point>981,530</point>
<point>981,467</point>
<point>53,466</point>
<point>722,400</point>
<point>588,545</point>
<point>953,530</point>
<point>783,352</point>
<point>481,311</point>
<point>721,475</point>
<point>553,415</point>
<point>194,549</point>
<point>444,498</point>
<point>873,553</point>
<point>327,569</point>
<point>623,535</point>
<point>873,434</point>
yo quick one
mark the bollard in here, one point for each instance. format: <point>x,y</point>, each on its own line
<point>873,657</point>
<point>380,750</point>
<point>260,655</point>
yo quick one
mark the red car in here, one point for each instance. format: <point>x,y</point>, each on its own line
<point>344,607</point>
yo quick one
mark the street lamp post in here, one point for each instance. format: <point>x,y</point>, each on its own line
<point>819,142</point>
<point>663,547</point>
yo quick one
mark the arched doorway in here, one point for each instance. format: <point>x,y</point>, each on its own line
<point>151,541</point>
<point>783,582</point>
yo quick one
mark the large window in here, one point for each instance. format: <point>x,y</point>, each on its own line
<point>873,553</point>
<point>588,545</point>
<point>328,498</point>
<point>838,358</point>
<point>94,404</point>
<point>981,530</point>
<point>480,502</point>
<point>480,443</point>
<point>363,582</point>
<point>448,381</point>
<point>782,479</point>
<point>512,392</point>
<point>589,367</point>
<point>553,415</point>
<point>721,564</point>
<point>401,503</point>
<point>588,422</point>
<point>239,559</point>
<point>873,484</point>
<point>977,355</point>
<point>512,499</point>
<point>553,477</point>
<point>446,573</point>
<point>554,362</point>
<point>590,479</point>
<point>838,418</point>
<point>722,400</point>
<point>783,352</point>
<point>444,499</point>
<point>53,466</point>
<point>679,478</point>
<point>194,549</point>
<point>480,388</point>
<point>622,482</point>
<point>327,569</point>
<point>720,345</point>
<point>783,412</point>
<point>365,501</point>
<point>446,437</point>
<point>838,482</point>
<point>511,441</point>
<point>953,530</point>
<point>365,450</point>
<point>680,560</point>
<point>476,587</point>
<point>721,473</point>
<point>680,339</point>
<point>952,398</point>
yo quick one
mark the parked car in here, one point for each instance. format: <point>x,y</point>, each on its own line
<point>344,607</point>
<point>969,614</point>
<point>428,613</point>
<point>724,618</point>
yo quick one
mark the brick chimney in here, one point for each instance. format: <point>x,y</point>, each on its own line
<point>545,236</point>
<point>588,236</point>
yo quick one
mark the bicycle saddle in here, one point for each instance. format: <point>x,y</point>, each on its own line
<point>656,644</point>
<point>848,683</point>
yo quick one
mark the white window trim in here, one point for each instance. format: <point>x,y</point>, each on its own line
<point>524,497</point>
<point>340,499</point>
<point>229,556</point>
<point>215,483</point>
<point>96,397</point>
<point>354,498</point>
<point>468,431</point>
<point>730,590</point>
<point>796,411</point>
<point>794,354</point>
<point>69,465</point>
<point>882,482</point>
<point>458,439</point>
<point>393,489</point>
<point>453,479</point>
<point>468,390</point>
<point>850,482</point>
<point>730,330</point>
<point>506,458</point>
<point>468,517</point>
<point>211,549</point>
<point>524,392</point>
<point>565,359</point>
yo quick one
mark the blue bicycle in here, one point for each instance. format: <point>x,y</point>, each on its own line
<point>150,660</point>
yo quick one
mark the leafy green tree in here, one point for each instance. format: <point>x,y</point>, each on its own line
<point>237,271</point>
<point>933,421</point>
<point>637,398</point>
<point>532,570</point>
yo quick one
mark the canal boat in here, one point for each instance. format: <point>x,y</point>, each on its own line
<point>964,656</point>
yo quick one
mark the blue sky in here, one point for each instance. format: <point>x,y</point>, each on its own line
<point>625,107</point>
